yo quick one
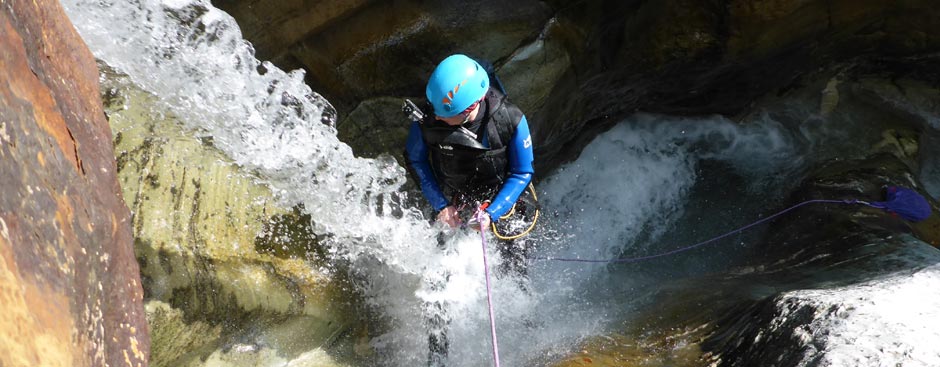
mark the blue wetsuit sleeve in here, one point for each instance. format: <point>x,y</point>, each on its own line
<point>520,172</point>
<point>417,155</point>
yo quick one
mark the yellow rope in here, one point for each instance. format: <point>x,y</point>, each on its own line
<point>513,210</point>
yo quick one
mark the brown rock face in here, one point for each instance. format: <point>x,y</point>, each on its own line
<point>69,285</point>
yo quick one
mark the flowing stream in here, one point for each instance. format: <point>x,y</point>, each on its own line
<point>649,185</point>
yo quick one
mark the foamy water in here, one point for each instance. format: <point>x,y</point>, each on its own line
<point>192,57</point>
<point>885,322</point>
<point>631,183</point>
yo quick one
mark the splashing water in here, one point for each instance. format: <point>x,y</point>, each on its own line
<point>631,184</point>
<point>632,179</point>
<point>192,57</point>
<point>642,169</point>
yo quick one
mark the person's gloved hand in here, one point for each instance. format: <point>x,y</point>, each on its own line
<point>449,216</point>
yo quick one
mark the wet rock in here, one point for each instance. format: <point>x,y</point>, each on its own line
<point>533,70</point>
<point>825,275</point>
<point>377,126</point>
<point>176,341</point>
<point>250,357</point>
<point>830,98</point>
<point>356,50</point>
<point>826,284</point>
<point>179,341</point>
<point>223,263</point>
<point>289,235</point>
<point>917,96</point>
<point>900,143</point>
<point>595,61</point>
<point>835,266</point>
<point>70,289</point>
<point>275,27</point>
<point>620,350</point>
<point>882,321</point>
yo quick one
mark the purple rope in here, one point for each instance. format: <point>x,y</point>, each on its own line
<point>641,258</point>
<point>489,297</point>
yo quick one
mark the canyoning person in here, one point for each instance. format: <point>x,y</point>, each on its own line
<point>470,151</point>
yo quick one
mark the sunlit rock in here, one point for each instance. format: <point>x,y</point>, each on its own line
<point>175,340</point>
<point>219,256</point>
<point>882,321</point>
<point>180,341</point>
<point>250,356</point>
<point>70,290</point>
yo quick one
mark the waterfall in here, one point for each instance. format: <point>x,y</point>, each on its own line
<point>193,58</point>
<point>627,193</point>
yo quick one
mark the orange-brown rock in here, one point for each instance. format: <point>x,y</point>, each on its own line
<point>69,284</point>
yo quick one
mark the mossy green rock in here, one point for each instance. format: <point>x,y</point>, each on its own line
<point>215,247</point>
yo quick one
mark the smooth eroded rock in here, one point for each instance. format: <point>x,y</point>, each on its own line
<point>223,262</point>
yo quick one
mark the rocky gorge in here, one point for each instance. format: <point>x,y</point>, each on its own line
<point>575,67</point>
<point>235,270</point>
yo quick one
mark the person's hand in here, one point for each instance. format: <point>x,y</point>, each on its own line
<point>481,219</point>
<point>449,216</point>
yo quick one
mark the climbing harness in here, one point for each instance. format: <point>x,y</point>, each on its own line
<point>489,294</point>
<point>518,222</point>
<point>901,202</point>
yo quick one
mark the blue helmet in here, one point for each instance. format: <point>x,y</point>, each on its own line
<point>455,84</point>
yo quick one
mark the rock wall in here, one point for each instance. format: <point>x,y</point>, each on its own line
<point>70,287</point>
<point>822,271</point>
<point>833,275</point>
<point>229,274</point>
<point>575,68</point>
<point>849,268</point>
<point>361,49</point>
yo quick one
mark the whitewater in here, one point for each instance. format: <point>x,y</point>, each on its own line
<point>643,187</point>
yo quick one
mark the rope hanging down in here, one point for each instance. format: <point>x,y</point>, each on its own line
<point>489,297</point>
<point>902,202</point>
